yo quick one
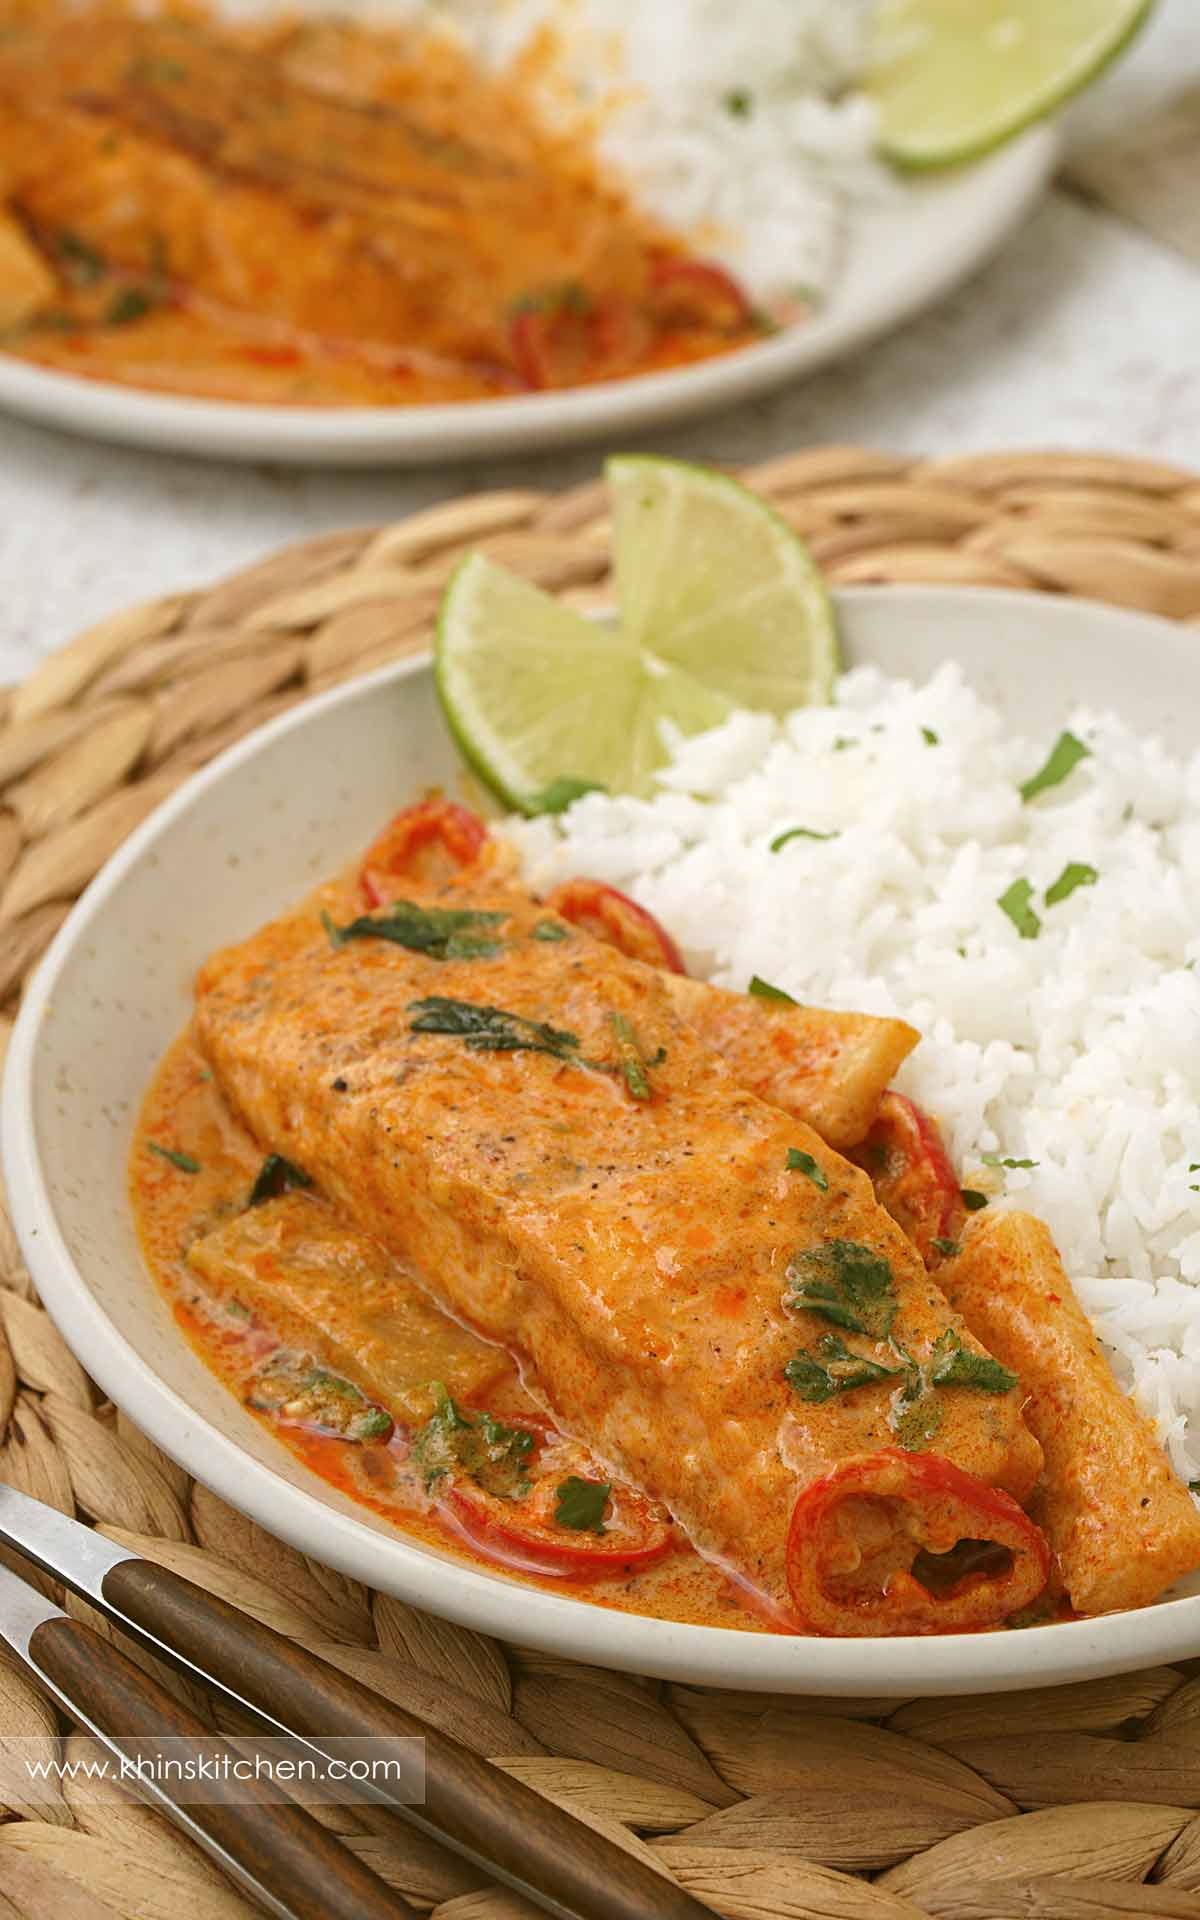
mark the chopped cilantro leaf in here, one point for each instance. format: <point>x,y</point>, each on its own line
<point>1015,903</point>
<point>847,1283</point>
<point>182,1162</point>
<point>492,1454</point>
<point>831,1368</point>
<point>950,1248</point>
<point>276,1176</point>
<point>1064,757</point>
<point>798,1162</point>
<point>1075,874</point>
<point>915,1414</point>
<point>763,990</point>
<point>799,833</point>
<point>579,1504</point>
<point>953,1365</point>
<point>998,1160</point>
<point>973,1200</point>
<point>930,738</point>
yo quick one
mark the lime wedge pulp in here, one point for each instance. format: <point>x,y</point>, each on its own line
<point>953,78</point>
<point>721,606</point>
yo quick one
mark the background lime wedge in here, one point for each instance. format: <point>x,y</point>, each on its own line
<point>952,78</point>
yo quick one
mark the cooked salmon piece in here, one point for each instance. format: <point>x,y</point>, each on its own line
<point>695,1284</point>
<point>323,1286</point>
<point>828,1069</point>
<point>1123,1527</point>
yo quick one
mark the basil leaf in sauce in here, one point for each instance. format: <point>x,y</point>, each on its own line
<point>830,1368</point>
<point>951,1248</point>
<point>491,1029</point>
<point>847,1283</point>
<point>579,1504</point>
<point>973,1200</point>
<point>1064,757</point>
<point>490,1453</point>
<point>276,1176</point>
<point>551,930</point>
<point>1075,874</point>
<point>953,1365</point>
<point>1014,901</point>
<point>182,1162</point>
<point>798,1162</point>
<point>440,932</point>
<point>763,990</point>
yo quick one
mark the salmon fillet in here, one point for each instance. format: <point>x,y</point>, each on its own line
<point>520,1115</point>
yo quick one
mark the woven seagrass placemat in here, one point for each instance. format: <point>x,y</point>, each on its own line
<point>1070,1803</point>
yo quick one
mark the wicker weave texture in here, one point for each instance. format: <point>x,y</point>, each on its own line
<point>1069,1803</point>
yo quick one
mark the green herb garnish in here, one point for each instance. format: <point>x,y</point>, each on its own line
<point>739,103</point>
<point>763,990</point>
<point>559,795</point>
<point>799,833</point>
<point>80,261</point>
<point>579,1504</point>
<point>997,1160</point>
<point>1015,903</point>
<point>276,1176</point>
<point>953,1365</point>
<point>1065,755</point>
<point>831,1368</point>
<point>930,738</point>
<point>130,304</point>
<point>631,1061</point>
<point>916,1413</point>
<point>1075,874</point>
<point>798,1162</point>
<point>973,1200</point>
<point>495,1456</point>
<point>951,1248</point>
<point>551,930</point>
<point>182,1162</point>
<point>491,1029</point>
<point>847,1283</point>
<point>441,933</point>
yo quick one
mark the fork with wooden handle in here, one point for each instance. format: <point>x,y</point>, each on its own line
<point>511,1833</point>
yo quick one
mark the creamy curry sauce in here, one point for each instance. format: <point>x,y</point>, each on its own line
<point>312,212</point>
<point>185,1124</point>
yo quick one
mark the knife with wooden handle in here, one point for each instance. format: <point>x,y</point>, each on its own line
<point>265,1842</point>
<point>515,1835</point>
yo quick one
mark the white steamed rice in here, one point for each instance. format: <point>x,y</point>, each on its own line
<point>1079,1048</point>
<point>737,125</point>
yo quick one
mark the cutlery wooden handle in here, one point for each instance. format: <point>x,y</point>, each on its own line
<point>282,1849</point>
<point>472,1804</point>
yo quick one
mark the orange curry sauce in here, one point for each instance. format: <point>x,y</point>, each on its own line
<point>175,1205</point>
<point>318,213</point>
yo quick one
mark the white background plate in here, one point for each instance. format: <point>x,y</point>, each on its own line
<point>249,835</point>
<point>901,255</point>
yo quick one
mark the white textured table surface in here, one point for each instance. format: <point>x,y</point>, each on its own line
<point>1080,333</point>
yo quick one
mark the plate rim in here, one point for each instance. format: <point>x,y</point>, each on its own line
<point>907,1666</point>
<point>351,437</point>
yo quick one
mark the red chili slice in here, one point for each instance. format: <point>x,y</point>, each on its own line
<point>698,293</point>
<point>525,1534</point>
<point>911,1173</point>
<point>428,843</point>
<point>613,917</point>
<point>565,339</point>
<point>894,1542</point>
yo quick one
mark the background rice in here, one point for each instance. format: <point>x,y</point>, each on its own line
<point>1079,1049</point>
<point>738,126</point>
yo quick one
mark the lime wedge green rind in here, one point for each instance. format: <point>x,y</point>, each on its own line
<point>721,607</point>
<point>953,79</point>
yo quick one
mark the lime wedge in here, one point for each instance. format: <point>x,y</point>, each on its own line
<point>721,607</point>
<point>952,78</point>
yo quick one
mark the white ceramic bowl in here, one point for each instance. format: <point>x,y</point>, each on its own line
<point>245,838</point>
<point>900,255</point>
